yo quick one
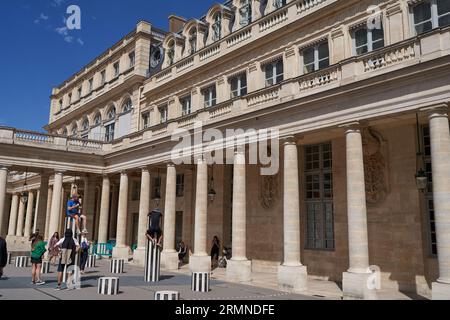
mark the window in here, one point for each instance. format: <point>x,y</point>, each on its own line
<point>91,84</point>
<point>116,67</point>
<point>245,12</point>
<point>135,191</point>
<point>74,131</point>
<point>163,114</point>
<point>217,27</point>
<point>180,185</point>
<point>64,133</point>
<point>111,114</point>
<point>127,106</point>
<point>431,14</point>
<point>367,40</point>
<point>238,85</point>
<point>156,194</point>
<point>274,72</point>
<point>102,77</point>
<point>60,104</point>
<point>193,41</point>
<point>429,192</point>
<point>279,3</point>
<point>171,53</point>
<point>132,59</point>
<point>209,96</point>
<point>316,57</point>
<point>319,197</point>
<point>185,105</point>
<point>85,126</point>
<point>109,132</point>
<point>146,120</point>
<point>70,98</point>
<point>79,92</point>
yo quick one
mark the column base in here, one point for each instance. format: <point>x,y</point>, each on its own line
<point>121,253</point>
<point>169,260</point>
<point>139,257</point>
<point>440,291</point>
<point>239,270</point>
<point>16,243</point>
<point>292,278</point>
<point>200,263</point>
<point>355,286</point>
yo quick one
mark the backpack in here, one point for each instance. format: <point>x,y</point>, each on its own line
<point>85,245</point>
<point>66,256</point>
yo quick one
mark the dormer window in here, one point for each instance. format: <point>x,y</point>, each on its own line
<point>279,3</point>
<point>60,104</point>
<point>193,40</point>
<point>245,12</point>
<point>132,59</point>
<point>217,27</point>
<point>103,77</point>
<point>70,98</point>
<point>79,90</point>
<point>91,84</point>
<point>116,67</point>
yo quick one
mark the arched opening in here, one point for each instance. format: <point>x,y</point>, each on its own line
<point>216,27</point>
<point>110,125</point>
<point>192,40</point>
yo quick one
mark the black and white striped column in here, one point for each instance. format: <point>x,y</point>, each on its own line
<point>70,224</point>
<point>167,295</point>
<point>9,258</point>
<point>45,268</point>
<point>152,262</point>
<point>22,262</point>
<point>91,261</point>
<point>116,265</point>
<point>108,286</point>
<point>200,281</point>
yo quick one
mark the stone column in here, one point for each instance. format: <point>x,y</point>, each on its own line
<point>29,216</point>
<point>104,211</point>
<point>3,181</point>
<point>13,215</point>
<point>292,275</point>
<point>169,256</point>
<point>55,213</point>
<point>121,250</point>
<point>89,204</point>
<point>144,209</point>
<point>239,268</point>
<point>440,162</point>
<point>355,279</point>
<point>48,212</point>
<point>20,218</point>
<point>41,206</point>
<point>201,261</point>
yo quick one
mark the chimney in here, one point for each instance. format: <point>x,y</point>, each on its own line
<point>176,23</point>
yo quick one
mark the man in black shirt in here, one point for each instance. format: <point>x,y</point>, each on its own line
<point>154,233</point>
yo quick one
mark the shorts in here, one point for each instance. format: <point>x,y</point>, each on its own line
<point>61,266</point>
<point>153,232</point>
<point>36,261</point>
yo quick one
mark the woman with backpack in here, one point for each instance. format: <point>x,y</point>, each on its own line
<point>84,251</point>
<point>53,250</point>
<point>69,247</point>
<point>38,250</point>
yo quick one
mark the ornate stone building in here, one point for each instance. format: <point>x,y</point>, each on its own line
<point>359,91</point>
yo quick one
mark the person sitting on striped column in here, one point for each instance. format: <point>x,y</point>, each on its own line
<point>154,233</point>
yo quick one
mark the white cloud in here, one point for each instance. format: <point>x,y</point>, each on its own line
<point>80,41</point>
<point>42,17</point>
<point>57,3</point>
<point>62,31</point>
<point>68,39</point>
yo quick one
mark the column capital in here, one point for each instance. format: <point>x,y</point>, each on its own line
<point>59,172</point>
<point>355,126</point>
<point>144,168</point>
<point>124,172</point>
<point>289,140</point>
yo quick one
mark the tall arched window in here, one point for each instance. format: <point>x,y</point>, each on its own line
<point>127,106</point>
<point>193,40</point>
<point>110,125</point>
<point>97,119</point>
<point>111,115</point>
<point>217,27</point>
<point>85,126</point>
<point>74,130</point>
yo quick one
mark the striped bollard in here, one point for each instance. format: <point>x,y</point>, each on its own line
<point>116,265</point>
<point>201,281</point>
<point>167,295</point>
<point>9,258</point>
<point>69,223</point>
<point>91,261</point>
<point>108,286</point>
<point>22,262</point>
<point>45,268</point>
<point>152,262</point>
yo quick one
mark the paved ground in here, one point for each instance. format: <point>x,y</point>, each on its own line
<point>17,286</point>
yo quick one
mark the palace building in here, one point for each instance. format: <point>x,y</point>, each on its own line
<point>359,91</point>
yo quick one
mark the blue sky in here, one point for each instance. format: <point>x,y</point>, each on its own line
<point>37,53</point>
